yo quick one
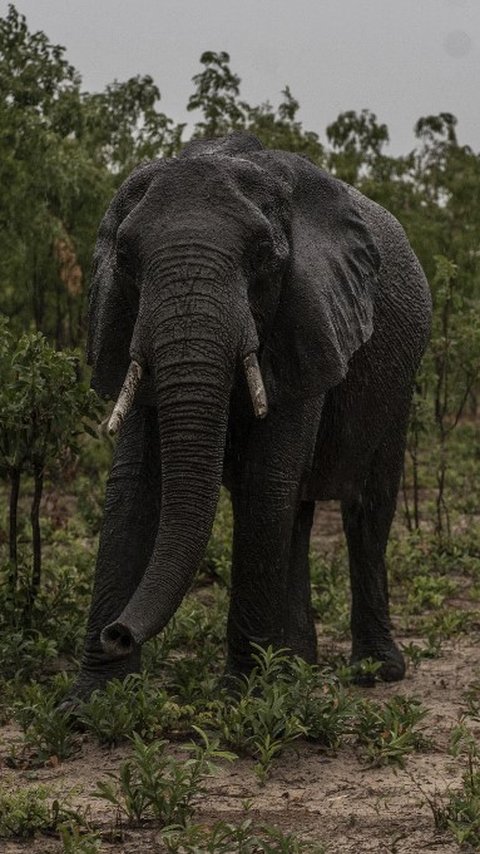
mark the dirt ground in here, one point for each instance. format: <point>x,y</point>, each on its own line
<point>335,799</point>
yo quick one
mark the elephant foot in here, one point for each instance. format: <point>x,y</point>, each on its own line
<point>391,660</point>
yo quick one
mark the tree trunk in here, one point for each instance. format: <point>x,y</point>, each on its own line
<point>14,476</point>
<point>36,537</point>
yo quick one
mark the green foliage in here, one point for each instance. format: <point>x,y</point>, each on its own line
<point>132,705</point>
<point>224,838</point>
<point>47,730</point>
<point>449,374</point>
<point>330,592</point>
<point>217,89</point>
<point>26,811</point>
<point>459,810</point>
<point>43,410</point>
<point>121,126</point>
<point>77,841</point>
<point>389,733</point>
<point>25,656</point>
<point>283,699</point>
<point>357,141</point>
<point>153,784</point>
<point>43,407</point>
<point>416,653</point>
<point>261,720</point>
<point>217,95</point>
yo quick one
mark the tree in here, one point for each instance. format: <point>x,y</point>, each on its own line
<point>216,95</point>
<point>121,126</point>
<point>357,141</point>
<point>282,129</point>
<point>43,410</point>
<point>52,188</point>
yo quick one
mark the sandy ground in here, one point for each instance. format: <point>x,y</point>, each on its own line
<point>334,798</point>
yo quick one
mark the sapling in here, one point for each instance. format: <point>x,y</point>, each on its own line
<point>43,410</point>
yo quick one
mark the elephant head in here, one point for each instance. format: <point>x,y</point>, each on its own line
<point>229,255</point>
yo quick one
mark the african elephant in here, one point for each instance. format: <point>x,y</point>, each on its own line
<point>273,319</point>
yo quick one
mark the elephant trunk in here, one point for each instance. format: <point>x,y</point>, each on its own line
<point>194,359</point>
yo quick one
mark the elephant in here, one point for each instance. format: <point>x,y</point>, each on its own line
<point>259,323</point>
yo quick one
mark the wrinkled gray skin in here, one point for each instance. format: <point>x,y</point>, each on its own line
<point>200,260</point>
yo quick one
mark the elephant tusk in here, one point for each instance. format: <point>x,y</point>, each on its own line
<point>255,384</point>
<point>125,398</point>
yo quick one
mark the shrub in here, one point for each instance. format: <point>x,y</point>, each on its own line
<point>154,785</point>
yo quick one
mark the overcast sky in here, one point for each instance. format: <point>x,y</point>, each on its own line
<point>400,58</point>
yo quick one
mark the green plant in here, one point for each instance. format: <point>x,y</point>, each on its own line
<point>283,699</point>
<point>47,730</point>
<point>427,591</point>
<point>76,840</point>
<point>199,628</point>
<point>153,784</point>
<point>460,810</point>
<point>224,838</point>
<point>389,733</point>
<point>43,409</point>
<point>123,707</point>
<point>260,719</point>
<point>25,656</point>
<point>26,811</point>
<point>445,623</point>
<point>330,597</point>
<point>325,708</point>
<point>416,653</point>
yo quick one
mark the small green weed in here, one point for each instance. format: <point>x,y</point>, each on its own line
<point>78,841</point>
<point>325,708</point>
<point>429,591</point>
<point>282,699</point>
<point>198,628</point>
<point>26,811</point>
<point>224,838</point>
<point>25,656</point>
<point>461,813</point>
<point>152,784</point>
<point>446,623</point>
<point>389,733</point>
<point>47,731</point>
<point>261,721</point>
<point>330,597</point>
<point>132,705</point>
<point>416,653</point>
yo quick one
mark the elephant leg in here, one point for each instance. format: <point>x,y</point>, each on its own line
<point>130,524</point>
<point>266,500</point>
<point>367,518</point>
<point>300,635</point>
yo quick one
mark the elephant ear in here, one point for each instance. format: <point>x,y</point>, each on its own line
<point>113,301</point>
<point>325,310</point>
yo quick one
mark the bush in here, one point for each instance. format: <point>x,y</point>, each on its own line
<point>43,410</point>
